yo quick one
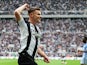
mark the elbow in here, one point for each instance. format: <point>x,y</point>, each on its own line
<point>15,12</point>
<point>17,15</point>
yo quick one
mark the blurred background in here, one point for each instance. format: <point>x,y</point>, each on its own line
<point>64,23</point>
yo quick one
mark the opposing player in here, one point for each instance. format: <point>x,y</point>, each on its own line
<point>84,56</point>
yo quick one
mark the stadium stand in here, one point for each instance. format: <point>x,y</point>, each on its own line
<point>58,33</point>
<point>8,6</point>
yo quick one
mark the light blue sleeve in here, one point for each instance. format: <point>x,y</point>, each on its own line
<point>85,47</point>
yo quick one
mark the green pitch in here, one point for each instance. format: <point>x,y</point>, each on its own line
<point>40,62</point>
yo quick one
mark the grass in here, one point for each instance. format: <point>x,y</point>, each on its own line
<point>40,62</point>
<point>8,62</point>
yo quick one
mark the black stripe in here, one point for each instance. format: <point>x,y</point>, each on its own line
<point>36,43</point>
<point>29,37</point>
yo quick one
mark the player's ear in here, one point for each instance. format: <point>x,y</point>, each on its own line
<point>31,14</point>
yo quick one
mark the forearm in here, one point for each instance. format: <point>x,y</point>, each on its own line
<point>21,8</point>
<point>41,53</point>
<point>85,51</point>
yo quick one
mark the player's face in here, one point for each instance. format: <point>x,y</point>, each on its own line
<point>37,16</point>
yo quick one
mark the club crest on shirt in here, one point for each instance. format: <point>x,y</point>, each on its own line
<point>37,34</point>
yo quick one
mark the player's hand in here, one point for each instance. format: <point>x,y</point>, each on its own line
<point>26,6</point>
<point>46,59</point>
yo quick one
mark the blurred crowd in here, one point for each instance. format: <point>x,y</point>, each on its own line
<point>8,6</point>
<point>9,37</point>
<point>60,36</point>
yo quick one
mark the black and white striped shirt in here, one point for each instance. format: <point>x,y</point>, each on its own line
<point>24,36</point>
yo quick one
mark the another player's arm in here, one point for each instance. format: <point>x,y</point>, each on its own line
<point>19,10</point>
<point>82,50</point>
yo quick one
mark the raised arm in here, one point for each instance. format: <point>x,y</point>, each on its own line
<point>19,10</point>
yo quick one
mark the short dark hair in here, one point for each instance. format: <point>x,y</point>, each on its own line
<point>33,9</point>
<point>85,39</point>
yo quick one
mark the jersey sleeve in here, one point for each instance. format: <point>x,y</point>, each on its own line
<point>22,23</point>
<point>23,27</point>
